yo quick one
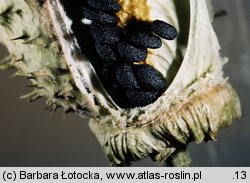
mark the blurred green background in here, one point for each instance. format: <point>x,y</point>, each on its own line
<point>30,136</point>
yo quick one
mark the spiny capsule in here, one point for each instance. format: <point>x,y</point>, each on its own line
<point>105,5</point>
<point>164,29</point>
<point>141,98</point>
<point>131,53</point>
<point>99,17</point>
<point>146,40</point>
<point>150,78</point>
<point>105,33</point>
<point>104,51</point>
<point>126,78</point>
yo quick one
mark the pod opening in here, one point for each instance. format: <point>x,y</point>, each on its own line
<point>120,50</point>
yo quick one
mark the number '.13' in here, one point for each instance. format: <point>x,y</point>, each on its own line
<point>241,174</point>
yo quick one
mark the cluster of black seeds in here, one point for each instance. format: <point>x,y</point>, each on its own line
<point>119,49</point>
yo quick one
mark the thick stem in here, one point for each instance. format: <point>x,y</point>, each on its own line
<point>180,158</point>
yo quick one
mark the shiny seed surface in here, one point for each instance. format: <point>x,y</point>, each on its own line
<point>104,51</point>
<point>105,33</point>
<point>141,98</point>
<point>164,29</point>
<point>150,78</point>
<point>131,53</point>
<point>146,40</point>
<point>99,17</point>
<point>126,77</point>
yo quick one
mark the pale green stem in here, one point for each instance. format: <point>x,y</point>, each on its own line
<point>180,158</point>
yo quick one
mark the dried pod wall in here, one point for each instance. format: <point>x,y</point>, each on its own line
<point>148,74</point>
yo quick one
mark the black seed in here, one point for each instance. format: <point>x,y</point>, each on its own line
<point>141,98</point>
<point>106,5</point>
<point>104,51</point>
<point>105,33</point>
<point>126,78</point>
<point>150,78</point>
<point>107,18</point>
<point>131,53</point>
<point>164,30</point>
<point>146,40</point>
<point>100,17</point>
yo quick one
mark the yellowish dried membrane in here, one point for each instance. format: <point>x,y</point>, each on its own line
<point>198,102</point>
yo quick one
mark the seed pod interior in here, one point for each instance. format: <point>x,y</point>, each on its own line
<point>51,47</point>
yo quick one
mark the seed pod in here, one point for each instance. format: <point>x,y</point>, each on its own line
<point>150,78</point>
<point>131,53</point>
<point>104,51</point>
<point>164,29</point>
<point>106,5</point>
<point>142,98</point>
<point>146,40</point>
<point>126,78</point>
<point>105,33</point>
<point>51,47</point>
